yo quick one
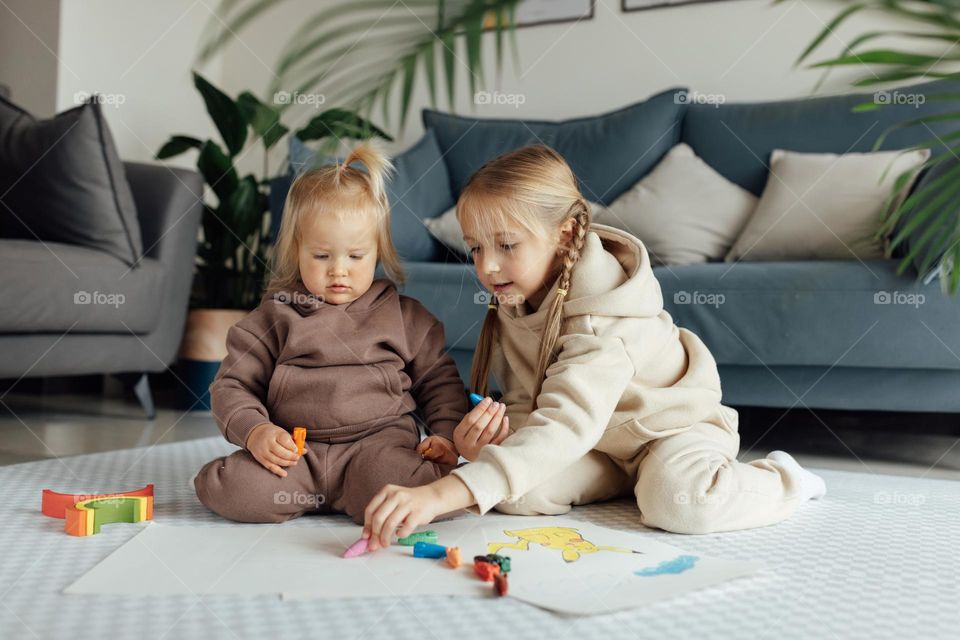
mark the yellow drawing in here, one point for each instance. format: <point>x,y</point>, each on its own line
<point>568,540</point>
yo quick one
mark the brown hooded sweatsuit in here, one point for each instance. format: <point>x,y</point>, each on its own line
<point>352,374</point>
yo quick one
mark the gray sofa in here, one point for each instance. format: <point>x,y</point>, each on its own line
<point>46,329</point>
<point>817,334</point>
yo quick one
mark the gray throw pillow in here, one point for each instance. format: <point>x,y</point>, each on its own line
<point>61,180</point>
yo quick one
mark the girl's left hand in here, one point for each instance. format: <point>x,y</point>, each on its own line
<point>438,449</point>
<point>397,510</point>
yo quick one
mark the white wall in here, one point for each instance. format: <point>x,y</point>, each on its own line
<point>142,51</point>
<point>29,41</point>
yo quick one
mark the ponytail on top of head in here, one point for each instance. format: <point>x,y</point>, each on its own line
<point>340,190</point>
<point>534,187</point>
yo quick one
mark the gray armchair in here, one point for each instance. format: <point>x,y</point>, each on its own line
<point>72,310</point>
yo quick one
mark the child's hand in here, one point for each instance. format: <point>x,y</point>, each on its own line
<point>485,424</point>
<point>438,449</point>
<point>273,447</point>
<point>397,510</point>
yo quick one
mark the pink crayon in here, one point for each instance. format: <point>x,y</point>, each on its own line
<point>358,548</point>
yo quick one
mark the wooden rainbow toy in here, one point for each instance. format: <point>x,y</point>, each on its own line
<point>86,517</point>
<point>86,513</point>
<point>54,503</point>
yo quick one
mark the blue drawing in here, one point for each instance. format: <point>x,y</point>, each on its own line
<point>677,565</point>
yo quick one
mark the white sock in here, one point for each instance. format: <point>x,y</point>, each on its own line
<point>812,486</point>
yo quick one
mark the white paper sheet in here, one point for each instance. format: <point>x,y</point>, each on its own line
<point>566,566</point>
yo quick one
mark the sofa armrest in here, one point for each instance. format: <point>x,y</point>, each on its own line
<point>170,206</point>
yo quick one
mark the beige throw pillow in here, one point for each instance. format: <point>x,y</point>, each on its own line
<point>823,205</point>
<point>683,210</point>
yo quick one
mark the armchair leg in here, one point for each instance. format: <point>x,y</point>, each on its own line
<point>140,383</point>
<point>142,390</point>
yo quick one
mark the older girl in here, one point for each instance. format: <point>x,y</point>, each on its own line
<point>604,395</point>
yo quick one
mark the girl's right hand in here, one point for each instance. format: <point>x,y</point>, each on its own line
<point>273,447</point>
<point>485,424</point>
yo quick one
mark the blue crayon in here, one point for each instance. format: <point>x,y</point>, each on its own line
<point>475,399</point>
<point>429,550</point>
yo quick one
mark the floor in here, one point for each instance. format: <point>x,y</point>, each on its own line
<point>873,559</point>
<point>64,417</point>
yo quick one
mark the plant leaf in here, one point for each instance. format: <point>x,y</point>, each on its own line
<point>474,32</point>
<point>177,145</point>
<point>450,67</point>
<point>884,56</point>
<point>340,123</point>
<point>429,70</point>
<point>244,206</point>
<point>409,73</point>
<point>217,170</point>
<point>262,118</point>
<point>225,114</point>
<point>827,30</point>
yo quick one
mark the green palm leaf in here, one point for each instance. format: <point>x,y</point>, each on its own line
<point>352,52</point>
<point>928,221</point>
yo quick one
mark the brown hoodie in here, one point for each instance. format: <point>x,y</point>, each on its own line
<point>341,371</point>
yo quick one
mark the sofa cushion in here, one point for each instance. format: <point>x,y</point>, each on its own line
<point>62,287</point>
<point>683,210</point>
<point>419,190</point>
<point>608,153</point>
<point>823,313</point>
<point>61,180</point>
<point>824,206</point>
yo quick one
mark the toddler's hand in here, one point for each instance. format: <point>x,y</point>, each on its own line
<point>438,449</point>
<point>485,424</point>
<point>273,447</point>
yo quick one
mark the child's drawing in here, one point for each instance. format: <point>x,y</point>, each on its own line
<point>676,565</point>
<point>568,540</point>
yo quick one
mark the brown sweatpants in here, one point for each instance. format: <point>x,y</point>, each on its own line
<point>328,478</point>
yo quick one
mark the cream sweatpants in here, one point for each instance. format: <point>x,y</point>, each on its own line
<point>688,482</point>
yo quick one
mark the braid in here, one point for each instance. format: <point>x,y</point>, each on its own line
<point>580,212</point>
<point>482,357</point>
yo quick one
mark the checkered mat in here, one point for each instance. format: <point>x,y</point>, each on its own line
<point>876,558</point>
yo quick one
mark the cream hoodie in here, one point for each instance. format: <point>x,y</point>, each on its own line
<point>625,374</point>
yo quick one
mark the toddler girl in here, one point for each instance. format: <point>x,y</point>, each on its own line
<point>335,350</point>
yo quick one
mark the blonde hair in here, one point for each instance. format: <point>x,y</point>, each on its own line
<point>534,187</point>
<point>343,191</point>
